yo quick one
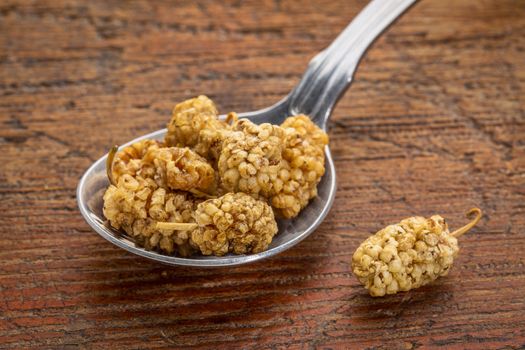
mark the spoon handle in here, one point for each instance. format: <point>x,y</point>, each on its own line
<point>330,72</point>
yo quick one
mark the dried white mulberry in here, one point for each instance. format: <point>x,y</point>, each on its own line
<point>189,118</point>
<point>136,204</point>
<point>181,169</point>
<point>235,223</point>
<point>407,255</point>
<point>302,166</point>
<point>171,167</point>
<point>251,157</point>
<point>211,139</point>
<point>129,160</point>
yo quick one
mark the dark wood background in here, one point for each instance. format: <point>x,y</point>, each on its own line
<point>434,123</point>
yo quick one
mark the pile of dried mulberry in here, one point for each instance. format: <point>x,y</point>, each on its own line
<point>213,186</point>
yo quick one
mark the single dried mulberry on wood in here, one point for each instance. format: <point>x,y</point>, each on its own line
<point>302,166</point>
<point>234,223</point>
<point>408,255</point>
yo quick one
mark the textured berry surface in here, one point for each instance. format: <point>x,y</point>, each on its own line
<point>129,160</point>
<point>136,205</point>
<point>302,166</point>
<point>235,222</point>
<point>250,157</point>
<point>404,256</point>
<point>181,169</point>
<point>189,118</point>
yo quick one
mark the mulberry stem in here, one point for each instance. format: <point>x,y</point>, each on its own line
<point>201,194</point>
<point>231,118</point>
<point>176,161</point>
<point>471,224</point>
<point>176,226</point>
<point>109,164</point>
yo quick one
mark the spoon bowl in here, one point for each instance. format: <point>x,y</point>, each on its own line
<point>94,182</point>
<point>327,77</point>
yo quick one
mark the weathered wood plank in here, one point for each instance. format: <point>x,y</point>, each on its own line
<point>434,123</point>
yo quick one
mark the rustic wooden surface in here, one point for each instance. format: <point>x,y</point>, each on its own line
<point>434,123</point>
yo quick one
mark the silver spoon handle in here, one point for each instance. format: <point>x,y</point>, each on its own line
<point>330,72</point>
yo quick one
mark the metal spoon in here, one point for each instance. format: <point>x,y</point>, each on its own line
<point>328,75</point>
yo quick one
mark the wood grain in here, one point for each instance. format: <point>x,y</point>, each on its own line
<point>434,123</point>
